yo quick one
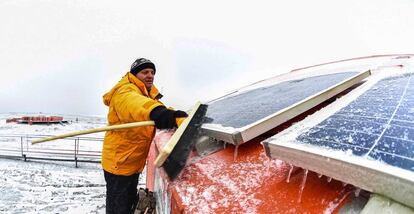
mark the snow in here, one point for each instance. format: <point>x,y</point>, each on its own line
<point>242,187</point>
<point>51,186</point>
<point>40,187</point>
<point>215,126</point>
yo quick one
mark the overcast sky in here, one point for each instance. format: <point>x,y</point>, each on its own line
<point>61,56</point>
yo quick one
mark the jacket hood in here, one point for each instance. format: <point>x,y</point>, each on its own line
<point>129,78</point>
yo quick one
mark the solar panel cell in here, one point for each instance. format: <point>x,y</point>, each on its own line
<point>368,111</point>
<point>354,123</point>
<point>405,113</point>
<point>403,132</point>
<point>392,159</point>
<point>383,132</point>
<point>339,138</point>
<point>408,124</point>
<point>396,146</point>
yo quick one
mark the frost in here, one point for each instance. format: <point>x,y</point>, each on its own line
<point>220,127</point>
<point>348,152</point>
<point>222,182</point>
<point>406,133</point>
<point>350,139</point>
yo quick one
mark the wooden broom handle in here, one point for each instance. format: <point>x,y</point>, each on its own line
<point>102,129</point>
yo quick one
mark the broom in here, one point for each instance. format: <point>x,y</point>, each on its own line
<point>175,152</point>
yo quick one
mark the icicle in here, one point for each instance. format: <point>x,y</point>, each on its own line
<point>329,179</point>
<point>337,201</point>
<point>320,175</point>
<point>267,163</point>
<point>236,151</point>
<point>302,185</point>
<point>357,191</point>
<point>290,172</point>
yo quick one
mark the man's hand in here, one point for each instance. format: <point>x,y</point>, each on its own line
<point>166,118</point>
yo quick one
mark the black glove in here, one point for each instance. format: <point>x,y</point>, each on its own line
<point>165,118</point>
<point>180,113</point>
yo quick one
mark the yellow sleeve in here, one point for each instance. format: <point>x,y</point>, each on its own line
<point>179,120</point>
<point>131,106</point>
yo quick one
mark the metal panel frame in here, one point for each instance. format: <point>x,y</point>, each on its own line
<point>246,133</point>
<point>373,176</point>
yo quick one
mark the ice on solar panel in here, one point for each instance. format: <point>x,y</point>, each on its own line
<point>246,108</point>
<point>382,131</point>
<point>370,131</point>
<point>239,117</point>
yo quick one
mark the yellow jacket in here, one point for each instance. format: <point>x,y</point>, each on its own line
<point>125,151</point>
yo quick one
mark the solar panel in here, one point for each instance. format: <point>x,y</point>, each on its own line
<point>378,125</point>
<point>373,134</point>
<point>241,116</point>
<point>259,103</point>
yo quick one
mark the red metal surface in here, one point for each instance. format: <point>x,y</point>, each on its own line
<point>250,183</point>
<point>152,155</point>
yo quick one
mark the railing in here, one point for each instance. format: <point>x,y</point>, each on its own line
<point>76,149</point>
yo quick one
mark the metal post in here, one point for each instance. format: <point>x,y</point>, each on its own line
<point>77,151</point>
<point>76,157</point>
<point>21,145</point>
<point>77,148</point>
<point>27,147</point>
<point>27,143</point>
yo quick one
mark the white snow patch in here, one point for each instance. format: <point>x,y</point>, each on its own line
<point>241,186</point>
<point>39,187</point>
<point>221,128</point>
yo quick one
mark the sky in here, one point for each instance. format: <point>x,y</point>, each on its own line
<point>61,56</point>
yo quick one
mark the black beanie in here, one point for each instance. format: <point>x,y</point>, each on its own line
<point>140,64</point>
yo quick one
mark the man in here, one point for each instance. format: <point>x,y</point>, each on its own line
<point>134,98</point>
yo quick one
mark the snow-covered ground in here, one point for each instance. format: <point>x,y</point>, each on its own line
<point>51,186</point>
<point>42,187</point>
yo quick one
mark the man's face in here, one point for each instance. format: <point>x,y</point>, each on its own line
<point>146,76</point>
